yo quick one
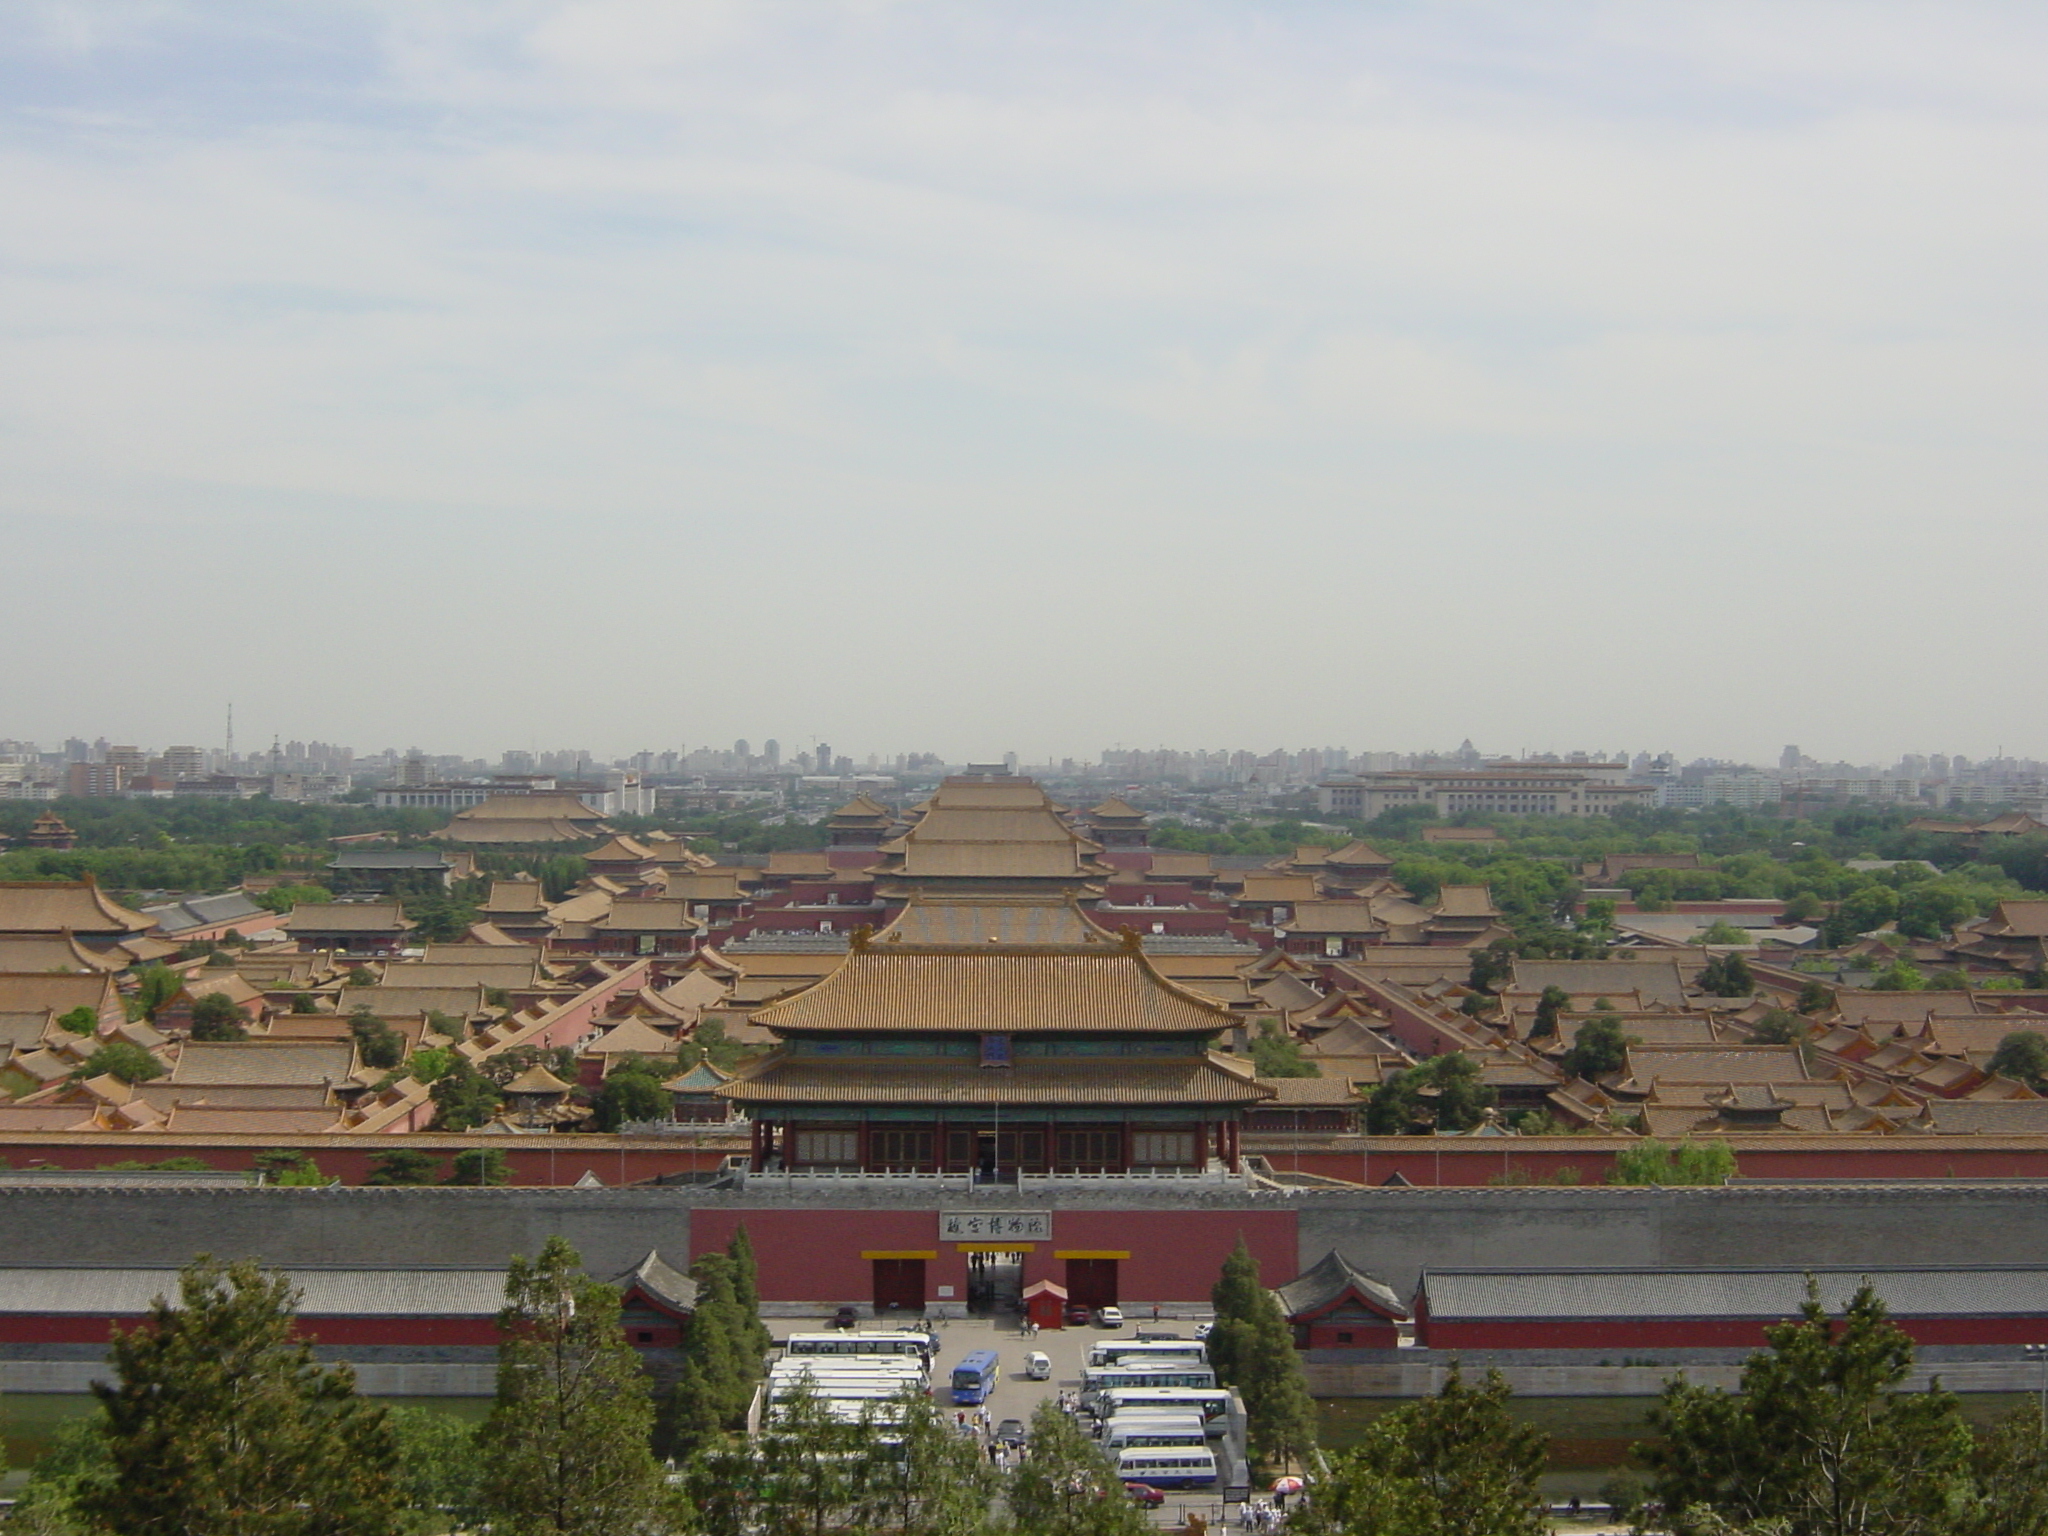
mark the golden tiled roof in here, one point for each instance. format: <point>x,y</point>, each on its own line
<point>811,1080</point>
<point>648,916</point>
<point>59,906</point>
<point>1011,920</point>
<point>918,988</point>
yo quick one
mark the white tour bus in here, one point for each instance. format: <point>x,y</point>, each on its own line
<point>1098,1379</point>
<point>917,1344</point>
<point>1212,1403</point>
<point>1128,1433</point>
<point>1127,1351</point>
<point>1163,1466</point>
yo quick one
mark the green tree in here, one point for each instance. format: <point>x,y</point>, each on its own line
<point>377,1042</point>
<point>1553,1001</point>
<point>463,1097</point>
<point>290,1168</point>
<point>1727,976</point>
<point>632,1093</point>
<point>216,1016</point>
<point>1690,1162</point>
<point>1442,1094</point>
<point>921,1475</point>
<point>403,1166</point>
<point>155,985</point>
<point>1814,997</point>
<point>565,1449</point>
<point>746,1289</point>
<point>2009,1481</point>
<point>1252,1349</point>
<point>2023,1057</point>
<point>720,1361</point>
<point>1065,1487</point>
<point>78,1463</point>
<point>1804,907</point>
<point>1721,931</point>
<point>1780,1027</point>
<point>81,1020</point>
<point>440,1477</point>
<point>480,1167</point>
<point>1491,966</point>
<point>130,1063</point>
<point>1457,1464</point>
<point>1600,1047</point>
<point>219,1422</point>
<point>1276,1053</point>
<point>1899,976</point>
<point>432,1063</point>
<point>1819,1435</point>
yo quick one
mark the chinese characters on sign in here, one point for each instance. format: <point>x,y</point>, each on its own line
<point>989,1226</point>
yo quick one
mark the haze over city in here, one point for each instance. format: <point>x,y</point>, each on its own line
<point>1034,378</point>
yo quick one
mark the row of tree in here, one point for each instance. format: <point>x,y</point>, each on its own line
<point>1820,1439</point>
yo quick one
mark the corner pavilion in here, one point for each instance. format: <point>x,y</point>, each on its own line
<point>995,1057</point>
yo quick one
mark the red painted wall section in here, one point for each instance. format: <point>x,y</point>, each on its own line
<point>1355,1336</point>
<point>815,1255</point>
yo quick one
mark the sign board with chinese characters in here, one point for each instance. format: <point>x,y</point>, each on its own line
<point>987,1226</point>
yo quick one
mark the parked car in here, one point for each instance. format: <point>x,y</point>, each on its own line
<point>1145,1494</point>
<point>1203,1330</point>
<point>1037,1367</point>
<point>845,1317</point>
<point>1077,1315</point>
<point>1010,1432</point>
<point>1109,1317</point>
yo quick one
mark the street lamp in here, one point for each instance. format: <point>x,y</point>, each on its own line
<point>2040,1352</point>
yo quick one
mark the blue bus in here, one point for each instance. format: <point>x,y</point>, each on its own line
<point>975,1377</point>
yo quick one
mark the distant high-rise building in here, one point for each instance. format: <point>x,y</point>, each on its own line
<point>1789,759</point>
<point>771,752</point>
<point>824,757</point>
<point>740,752</point>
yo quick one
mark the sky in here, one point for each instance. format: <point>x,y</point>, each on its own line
<point>977,377</point>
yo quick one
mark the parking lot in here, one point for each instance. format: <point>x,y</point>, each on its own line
<point>1067,1348</point>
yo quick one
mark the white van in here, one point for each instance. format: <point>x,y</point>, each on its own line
<point>1037,1367</point>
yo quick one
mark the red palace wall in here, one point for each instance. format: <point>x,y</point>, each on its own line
<point>1431,1160</point>
<point>1175,1255</point>
<point>531,1160</point>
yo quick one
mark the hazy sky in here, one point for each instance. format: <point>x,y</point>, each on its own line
<point>976,376</point>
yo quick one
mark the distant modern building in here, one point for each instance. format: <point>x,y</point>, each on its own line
<point>1594,789</point>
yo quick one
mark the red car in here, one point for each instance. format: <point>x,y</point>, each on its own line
<point>1145,1494</point>
<point>1078,1316</point>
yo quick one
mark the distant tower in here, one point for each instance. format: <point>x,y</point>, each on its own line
<point>739,749</point>
<point>824,757</point>
<point>231,733</point>
<point>1789,758</point>
<point>771,749</point>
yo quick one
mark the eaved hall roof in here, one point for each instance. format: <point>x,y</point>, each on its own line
<point>55,906</point>
<point>1036,1080</point>
<point>1330,1278</point>
<point>922,989</point>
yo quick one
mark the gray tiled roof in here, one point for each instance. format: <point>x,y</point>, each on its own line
<point>1703,1293</point>
<point>71,1289</point>
<point>1331,1277</point>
